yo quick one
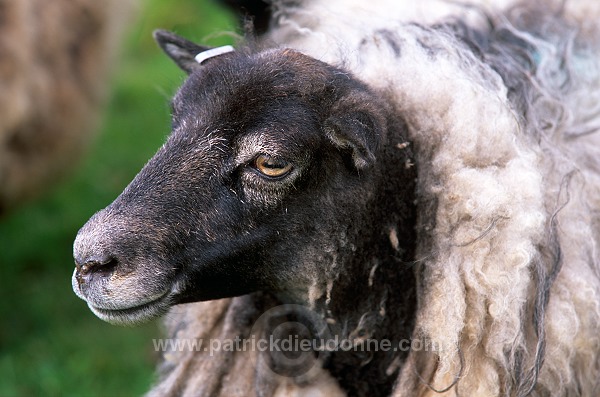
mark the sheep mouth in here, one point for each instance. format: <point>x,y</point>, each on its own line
<point>135,314</point>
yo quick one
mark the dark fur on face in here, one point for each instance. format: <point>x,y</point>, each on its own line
<point>201,221</point>
<point>207,219</point>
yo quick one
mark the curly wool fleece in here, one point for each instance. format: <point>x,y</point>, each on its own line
<point>502,107</point>
<point>507,154</point>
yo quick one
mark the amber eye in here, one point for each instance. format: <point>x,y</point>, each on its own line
<point>272,167</point>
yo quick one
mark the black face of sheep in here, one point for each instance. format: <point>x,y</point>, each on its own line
<point>276,164</point>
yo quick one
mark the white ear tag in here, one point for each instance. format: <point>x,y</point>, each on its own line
<point>213,52</point>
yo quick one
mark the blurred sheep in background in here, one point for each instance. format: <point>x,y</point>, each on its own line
<point>55,59</point>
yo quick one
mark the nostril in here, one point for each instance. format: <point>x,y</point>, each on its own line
<point>94,266</point>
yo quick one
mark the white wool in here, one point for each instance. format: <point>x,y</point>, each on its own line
<point>496,187</point>
<point>510,186</point>
<point>56,60</point>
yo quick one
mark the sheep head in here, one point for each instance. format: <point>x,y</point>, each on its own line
<point>271,158</point>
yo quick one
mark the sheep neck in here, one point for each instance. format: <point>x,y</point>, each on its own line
<point>371,297</point>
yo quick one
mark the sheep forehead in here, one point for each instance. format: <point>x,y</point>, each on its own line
<point>272,73</point>
<point>268,114</point>
<point>254,104</point>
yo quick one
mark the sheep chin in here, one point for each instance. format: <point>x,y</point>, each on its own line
<point>137,314</point>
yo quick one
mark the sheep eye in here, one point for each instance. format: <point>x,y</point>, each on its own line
<point>272,167</point>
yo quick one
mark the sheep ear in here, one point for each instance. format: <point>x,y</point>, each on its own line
<point>357,130</point>
<point>180,50</point>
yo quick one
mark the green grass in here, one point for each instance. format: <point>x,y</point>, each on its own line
<point>50,343</point>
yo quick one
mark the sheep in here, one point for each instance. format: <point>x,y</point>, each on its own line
<point>56,58</point>
<point>407,176</point>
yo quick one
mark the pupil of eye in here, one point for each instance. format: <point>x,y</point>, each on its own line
<point>273,164</point>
